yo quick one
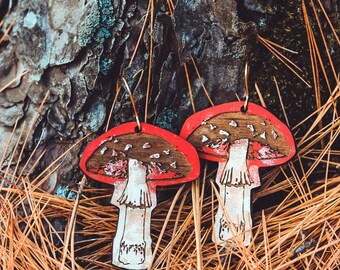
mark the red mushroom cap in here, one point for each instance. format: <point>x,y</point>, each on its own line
<point>185,164</point>
<point>270,142</point>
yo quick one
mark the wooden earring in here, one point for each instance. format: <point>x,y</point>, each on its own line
<point>136,158</point>
<point>241,141</point>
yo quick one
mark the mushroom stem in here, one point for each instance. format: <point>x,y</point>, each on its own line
<point>234,182</point>
<point>248,223</point>
<point>256,182</point>
<point>132,243</point>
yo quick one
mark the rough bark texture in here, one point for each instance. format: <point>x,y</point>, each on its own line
<point>77,50</point>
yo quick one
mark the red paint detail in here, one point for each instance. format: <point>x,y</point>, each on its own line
<point>195,120</point>
<point>262,152</point>
<point>221,151</point>
<point>256,146</point>
<point>156,172</point>
<point>254,175</point>
<point>116,169</point>
<point>154,180</point>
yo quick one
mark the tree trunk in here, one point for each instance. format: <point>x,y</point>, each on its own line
<point>77,50</point>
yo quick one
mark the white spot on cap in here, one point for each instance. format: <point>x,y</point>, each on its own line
<point>106,140</point>
<point>114,153</point>
<point>215,146</point>
<point>204,122</point>
<point>103,150</point>
<point>115,140</point>
<point>155,155</point>
<point>251,127</point>
<point>102,142</point>
<point>212,127</point>
<point>205,138</point>
<point>146,145</point>
<point>255,134</point>
<point>223,132</point>
<point>263,123</point>
<point>167,152</point>
<point>274,134</point>
<point>127,147</point>
<point>263,135</point>
<point>233,123</point>
<point>173,165</point>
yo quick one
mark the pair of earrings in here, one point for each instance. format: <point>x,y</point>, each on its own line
<point>136,158</point>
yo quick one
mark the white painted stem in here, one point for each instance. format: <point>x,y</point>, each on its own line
<point>234,182</point>
<point>247,215</point>
<point>132,245</point>
<point>132,242</point>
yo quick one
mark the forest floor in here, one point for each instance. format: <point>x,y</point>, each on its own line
<point>296,210</point>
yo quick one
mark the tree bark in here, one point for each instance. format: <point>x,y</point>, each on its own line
<point>77,50</point>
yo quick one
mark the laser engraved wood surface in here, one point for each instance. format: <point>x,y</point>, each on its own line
<point>135,162</point>
<point>241,142</point>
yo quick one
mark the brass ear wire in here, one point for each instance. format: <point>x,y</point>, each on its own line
<point>246,77</point>
<point>139,126</point>
<point>118,87</point>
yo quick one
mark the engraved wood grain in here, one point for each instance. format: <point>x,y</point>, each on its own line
<point>211,129</point>
<point>241,143</point>
<point>158,145</point>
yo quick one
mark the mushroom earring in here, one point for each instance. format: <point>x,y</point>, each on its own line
<point>241,141</point>
<point>135,159</point>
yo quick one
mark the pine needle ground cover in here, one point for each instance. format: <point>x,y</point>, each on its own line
<point>296,210</point>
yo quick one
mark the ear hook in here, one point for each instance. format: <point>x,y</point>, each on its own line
<point>246,76</point>
<point>139,126</point>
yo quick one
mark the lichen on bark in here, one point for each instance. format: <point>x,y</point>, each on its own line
<point>77,50</point>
